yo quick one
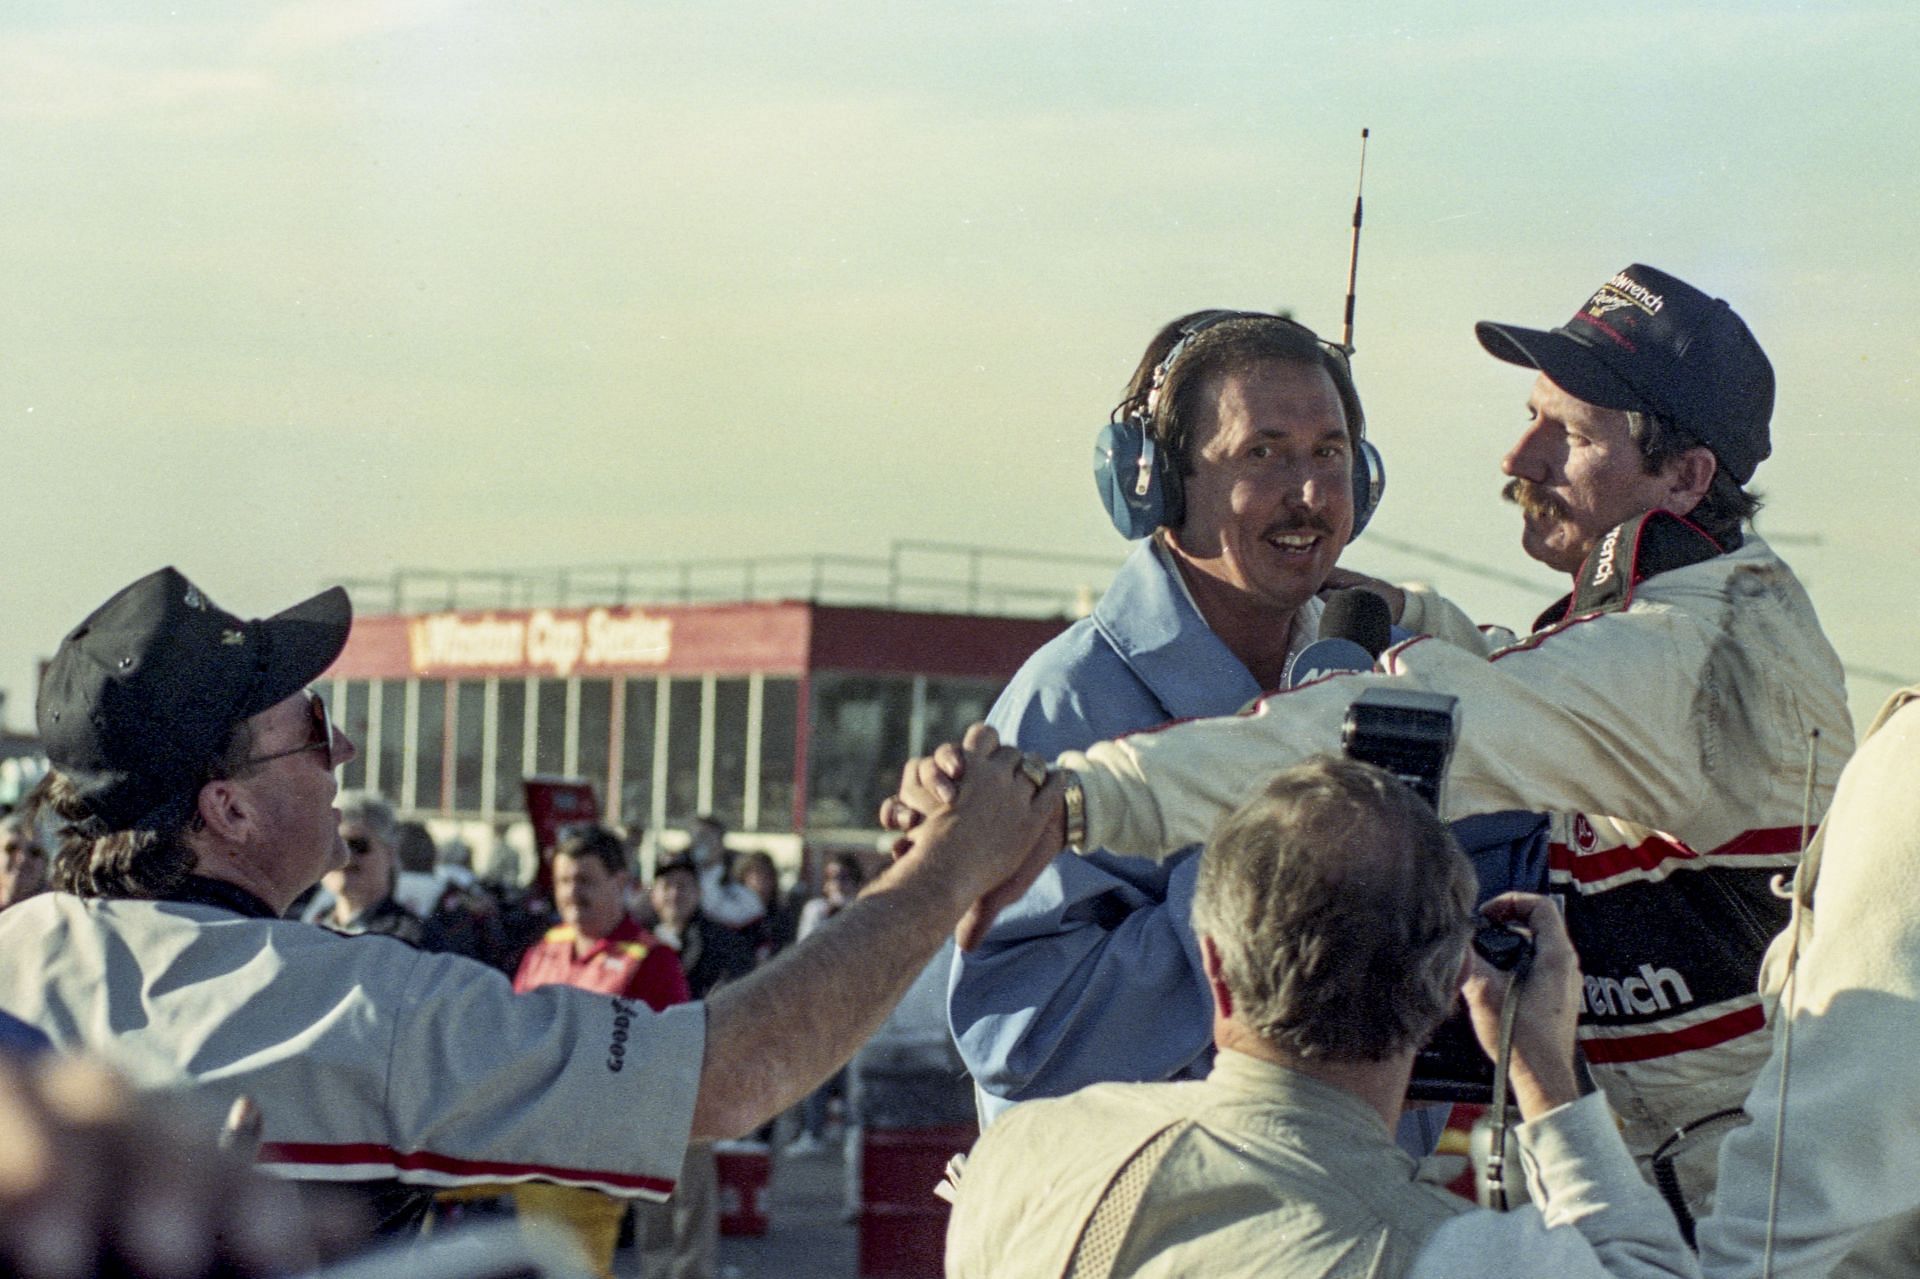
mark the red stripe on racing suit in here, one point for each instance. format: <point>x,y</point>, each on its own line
<point>1666,933</point>
<point>365,1159</point>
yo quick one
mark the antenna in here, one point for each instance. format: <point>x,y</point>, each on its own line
<point>1353,253</point>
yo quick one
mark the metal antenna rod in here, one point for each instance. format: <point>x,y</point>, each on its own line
<point>1353,252</point>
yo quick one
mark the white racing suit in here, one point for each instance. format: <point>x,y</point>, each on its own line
<point>1666,718</point>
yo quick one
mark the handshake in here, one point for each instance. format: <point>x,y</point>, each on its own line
<point>997,815</point>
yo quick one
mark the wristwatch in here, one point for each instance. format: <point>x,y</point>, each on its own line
<point>1075,800</point>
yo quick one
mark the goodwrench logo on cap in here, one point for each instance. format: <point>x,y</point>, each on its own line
<point>1624,290</point>
<point>1621,294</point>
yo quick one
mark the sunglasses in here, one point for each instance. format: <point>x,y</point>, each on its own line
<point>358,845</point>
<point>319,734</point>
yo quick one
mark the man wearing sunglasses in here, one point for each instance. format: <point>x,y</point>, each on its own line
<point>362,888</point>
<point>193,775</point>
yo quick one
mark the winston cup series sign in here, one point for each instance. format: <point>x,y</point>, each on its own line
<point>544,640</point>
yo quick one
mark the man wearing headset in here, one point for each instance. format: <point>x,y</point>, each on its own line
<point>1681,710</point>
<point>1257,476</point>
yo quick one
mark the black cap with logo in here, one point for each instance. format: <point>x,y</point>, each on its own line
<point>146,692</point>
<point>1649,342</point>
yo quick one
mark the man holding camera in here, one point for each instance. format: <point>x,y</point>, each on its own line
<point>1680,712</point>
<point>1334,913</point>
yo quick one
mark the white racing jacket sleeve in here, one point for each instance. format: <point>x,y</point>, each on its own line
<point>555,1084</point>
<point>1430,613</point>
<point>1678,713</point>
<point>1542,727</point>
<point>368,1059</point>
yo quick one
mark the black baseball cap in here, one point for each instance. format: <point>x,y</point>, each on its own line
<point>145,692</point>
<point>1650,342</point>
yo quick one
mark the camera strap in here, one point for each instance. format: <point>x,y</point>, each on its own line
<point>1502,1061</point>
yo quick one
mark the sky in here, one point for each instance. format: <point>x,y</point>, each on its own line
<point>307,291</point>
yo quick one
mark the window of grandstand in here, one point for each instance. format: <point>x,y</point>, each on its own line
<point>636,753</point>
<point>550,731</point>
<point>469,743</point>
<point>772,806</point>
<point>385,737</point>
<point>429,753</point>
<point>594,740</point>
<point>729,752</point>
<point>683,750</point>
<point>509,745</point>
<point>859,736</point>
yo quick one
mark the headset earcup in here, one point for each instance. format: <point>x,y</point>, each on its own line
<point>1369,485</point>
<point>1116,475</point>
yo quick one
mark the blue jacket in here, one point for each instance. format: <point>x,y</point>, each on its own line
<point>1094,975</point>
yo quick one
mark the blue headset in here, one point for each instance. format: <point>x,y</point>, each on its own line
<point>1139,479</point>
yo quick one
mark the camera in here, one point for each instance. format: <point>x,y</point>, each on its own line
<point>1408,733</point>
<point>1411,734</point>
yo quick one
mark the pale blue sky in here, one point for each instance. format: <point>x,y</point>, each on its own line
<point>304,291</point>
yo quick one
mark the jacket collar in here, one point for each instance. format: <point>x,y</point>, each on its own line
<point>1152,624</point>
<point>1239,1077</point>
<point>1643,547</point>
<point>198,890</point>
<point>627,930</point>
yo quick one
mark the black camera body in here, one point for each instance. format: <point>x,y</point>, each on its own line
<point>1408,733</point>
<point>1411,734</point>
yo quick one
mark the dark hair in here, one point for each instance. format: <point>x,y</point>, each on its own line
<point>128,863</point>
<point>595,843</point>
<point>1340,907</point>
<point>679,861</point>
<point>850,863</point>
<point>11,819</point>
<point>1232,342</point>
<point>761,858</point>
<point>413,849</point>
<point>1726,506</point>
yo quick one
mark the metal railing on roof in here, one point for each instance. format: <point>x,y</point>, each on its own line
<point>914,574</point>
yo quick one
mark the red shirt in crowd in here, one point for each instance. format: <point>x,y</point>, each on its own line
<point>630,962</point>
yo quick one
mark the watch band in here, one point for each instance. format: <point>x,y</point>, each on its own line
<point>1075,800</point>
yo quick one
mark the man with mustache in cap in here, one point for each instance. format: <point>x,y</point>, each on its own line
<point>194,777</point>
<point>1680,711</point>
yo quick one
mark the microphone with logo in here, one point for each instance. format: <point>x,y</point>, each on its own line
<point>1356,627</point>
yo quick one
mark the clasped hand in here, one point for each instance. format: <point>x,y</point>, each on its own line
<point>985,802</point>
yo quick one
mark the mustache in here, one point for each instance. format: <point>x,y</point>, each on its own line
<point>1533,500</point>
<point>1304,524</point>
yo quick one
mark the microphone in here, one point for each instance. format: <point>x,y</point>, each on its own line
<point>1356,627</point>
